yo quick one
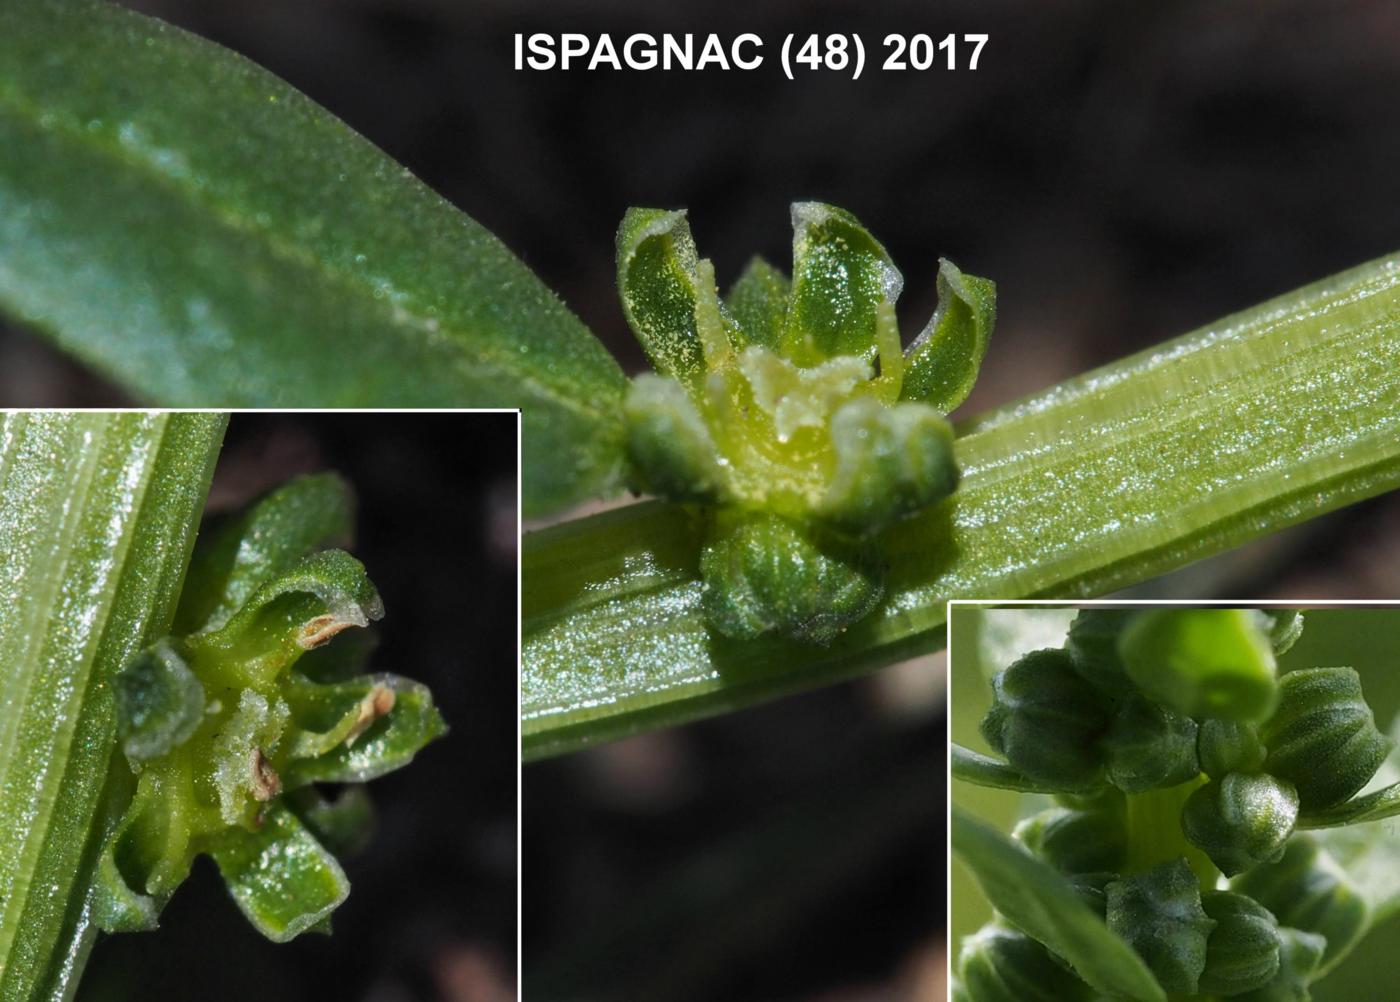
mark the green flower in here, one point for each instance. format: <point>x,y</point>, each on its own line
<point>228,727</point>
<point>793,402</point>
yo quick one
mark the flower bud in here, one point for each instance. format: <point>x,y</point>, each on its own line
<point>1076,841</point>
<point>1093,643</point>
<point>1159,914</point>
<point>1307,890</point>
<point>1242,953</point>
<point>998,964</point>
<point>1149,746</point>
<point>1323,737</point>
<point>1284,627</point>
<point>1226,746</point>
<point>1299,953</point>
<point>1047,721</point>
<point>1242,820</point>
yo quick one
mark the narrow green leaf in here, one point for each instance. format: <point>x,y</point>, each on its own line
<point>97,517</point>
<point>283,880</point>
<point>840,273</point>
<point>1377,806</point>
<point>236,554</point>
<point>758,301</point>
<point>974,767</point>
<point>942,363</point>
<point>1257,422</point>
<point>194,228</point>
<point>1042,903</point>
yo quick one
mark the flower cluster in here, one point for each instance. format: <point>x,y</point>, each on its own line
<point>229,726</point>
<point>1182,763</point>
<point>790,414</point>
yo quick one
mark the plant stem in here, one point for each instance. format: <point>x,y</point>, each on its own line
<point>1155,835</point>
<point>1254,423</point>
<point>97,516</point>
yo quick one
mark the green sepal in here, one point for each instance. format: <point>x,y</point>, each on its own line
<point>1203,662</point>
<point>1299,955</point>
<point>767,574</point>
<point>1076,842</point>
<point>1284,627</point>
<point>1047,721</point>
<point>670,448</point>
<point>1093,643</point>
<point>1226,746</point>
<point>998,964</point>
<point>389,742</point>
<point>343,825</point>
<point>159,702</point>
<point>1149,746</point>
<point>840,276</point>
<point>1242,953</point>
<point>1159,914</point>
<point>236,554</point>
<point>758,302</point>
<point>1308,890</point>
<point>301,609</point>
<point>656,280</point>
<point>1323,737</point>
<point>891,462</point>
<point>283,880</point>
<point>1242,820</point>
<point>942,363</point>
<point>147,856</point>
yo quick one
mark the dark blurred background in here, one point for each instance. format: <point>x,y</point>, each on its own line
<point>432,906</point>
<point>1125,172</point>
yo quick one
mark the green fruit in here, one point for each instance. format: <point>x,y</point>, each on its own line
<point>1226,746</point>
<point>1242,820</point>
<point>1159,914</point>
<point>1047,721</point>
<point>1149,746</point>
<point>1076,841</point>
<point>998,964</point>
<point>1202,662</point>
<point>1307,890</point>
<point>1242,953</point>
<point>1323,737</point>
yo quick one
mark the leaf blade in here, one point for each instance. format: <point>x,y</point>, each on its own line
<point>206,235</point>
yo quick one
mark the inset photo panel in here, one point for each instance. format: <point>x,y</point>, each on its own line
<point>1158,801</point>
<point>259,686</point>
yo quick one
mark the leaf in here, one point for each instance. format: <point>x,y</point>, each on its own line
<point>1377,806</point>
<point>758,301</point>
<point>1042,903</point>
<point>942,363</point>
<point>1257,422</point>
<point>840,273</point>
<point>236,554</point>
<point>283,880</point>
<point>97,516</point>
<point>196,229</point>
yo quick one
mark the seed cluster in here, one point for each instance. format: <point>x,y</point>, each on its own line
<point>1144,716</point>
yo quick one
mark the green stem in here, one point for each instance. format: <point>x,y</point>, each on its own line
<point>97,517</point>
<point>1257,422</point>
<point>1155,835</point>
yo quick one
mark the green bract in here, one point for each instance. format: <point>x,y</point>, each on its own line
<point>225,735</point>
<point>1093,643</point>
<point>1203,662</point>
<point>1047,721</point>
<point>1299,953</point>
<point>1242,953</point>
<point>1241,820</point>
<point>793,401</point>
<point>1159,914</point>
<point>1077,842</point>
<point>1307,890</point>
<point>1323,738</point>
